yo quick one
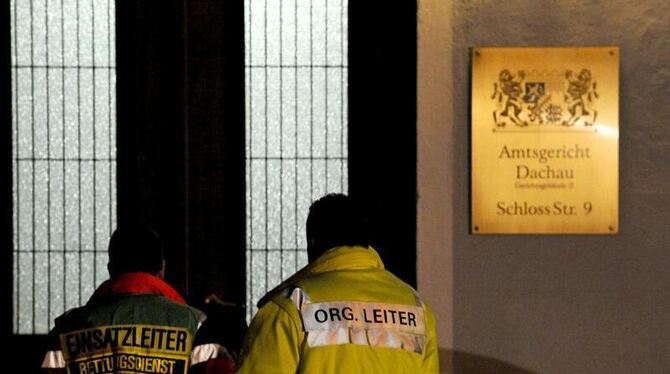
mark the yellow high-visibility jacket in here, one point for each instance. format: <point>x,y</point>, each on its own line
<point>343,313</point>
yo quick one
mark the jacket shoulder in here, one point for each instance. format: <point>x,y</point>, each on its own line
<point>142,309</point>
<point>72,319</point>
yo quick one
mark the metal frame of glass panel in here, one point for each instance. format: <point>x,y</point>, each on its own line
<point>63,154</point>
<point>296,70</point>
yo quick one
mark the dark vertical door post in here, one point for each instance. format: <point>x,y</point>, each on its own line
<point>6,263</point>
<point>151,128</point>
<point>382,126</point>
<point>215,141</point>
<point>181,137</point>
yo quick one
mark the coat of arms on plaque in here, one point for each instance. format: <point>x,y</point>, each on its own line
<point>544,98</point>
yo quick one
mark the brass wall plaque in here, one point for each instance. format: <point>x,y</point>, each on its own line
<point>545,140</point>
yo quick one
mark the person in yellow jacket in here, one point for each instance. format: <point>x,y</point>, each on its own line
<point>343,312</point>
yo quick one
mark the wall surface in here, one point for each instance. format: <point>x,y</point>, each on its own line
<point>546,304</point>
<point>435,167</point>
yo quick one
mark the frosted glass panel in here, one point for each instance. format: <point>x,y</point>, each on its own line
<point>296,130</point>
<point>63,150</point>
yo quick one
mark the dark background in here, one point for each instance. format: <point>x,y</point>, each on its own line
<point>180,140</point>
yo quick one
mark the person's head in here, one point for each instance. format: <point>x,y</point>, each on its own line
<point>335,220</point>
<point>135,249</point>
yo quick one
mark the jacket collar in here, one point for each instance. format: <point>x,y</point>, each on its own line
<point>138,283</point>
<point>344,258</point>
<point>338,258</point>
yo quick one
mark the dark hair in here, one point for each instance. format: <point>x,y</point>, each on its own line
<point>133,249</point>
<point>335,220</point>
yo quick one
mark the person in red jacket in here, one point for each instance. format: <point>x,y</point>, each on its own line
<point>135,322</point>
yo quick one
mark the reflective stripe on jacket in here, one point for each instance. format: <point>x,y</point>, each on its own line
<point>343,313</point>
